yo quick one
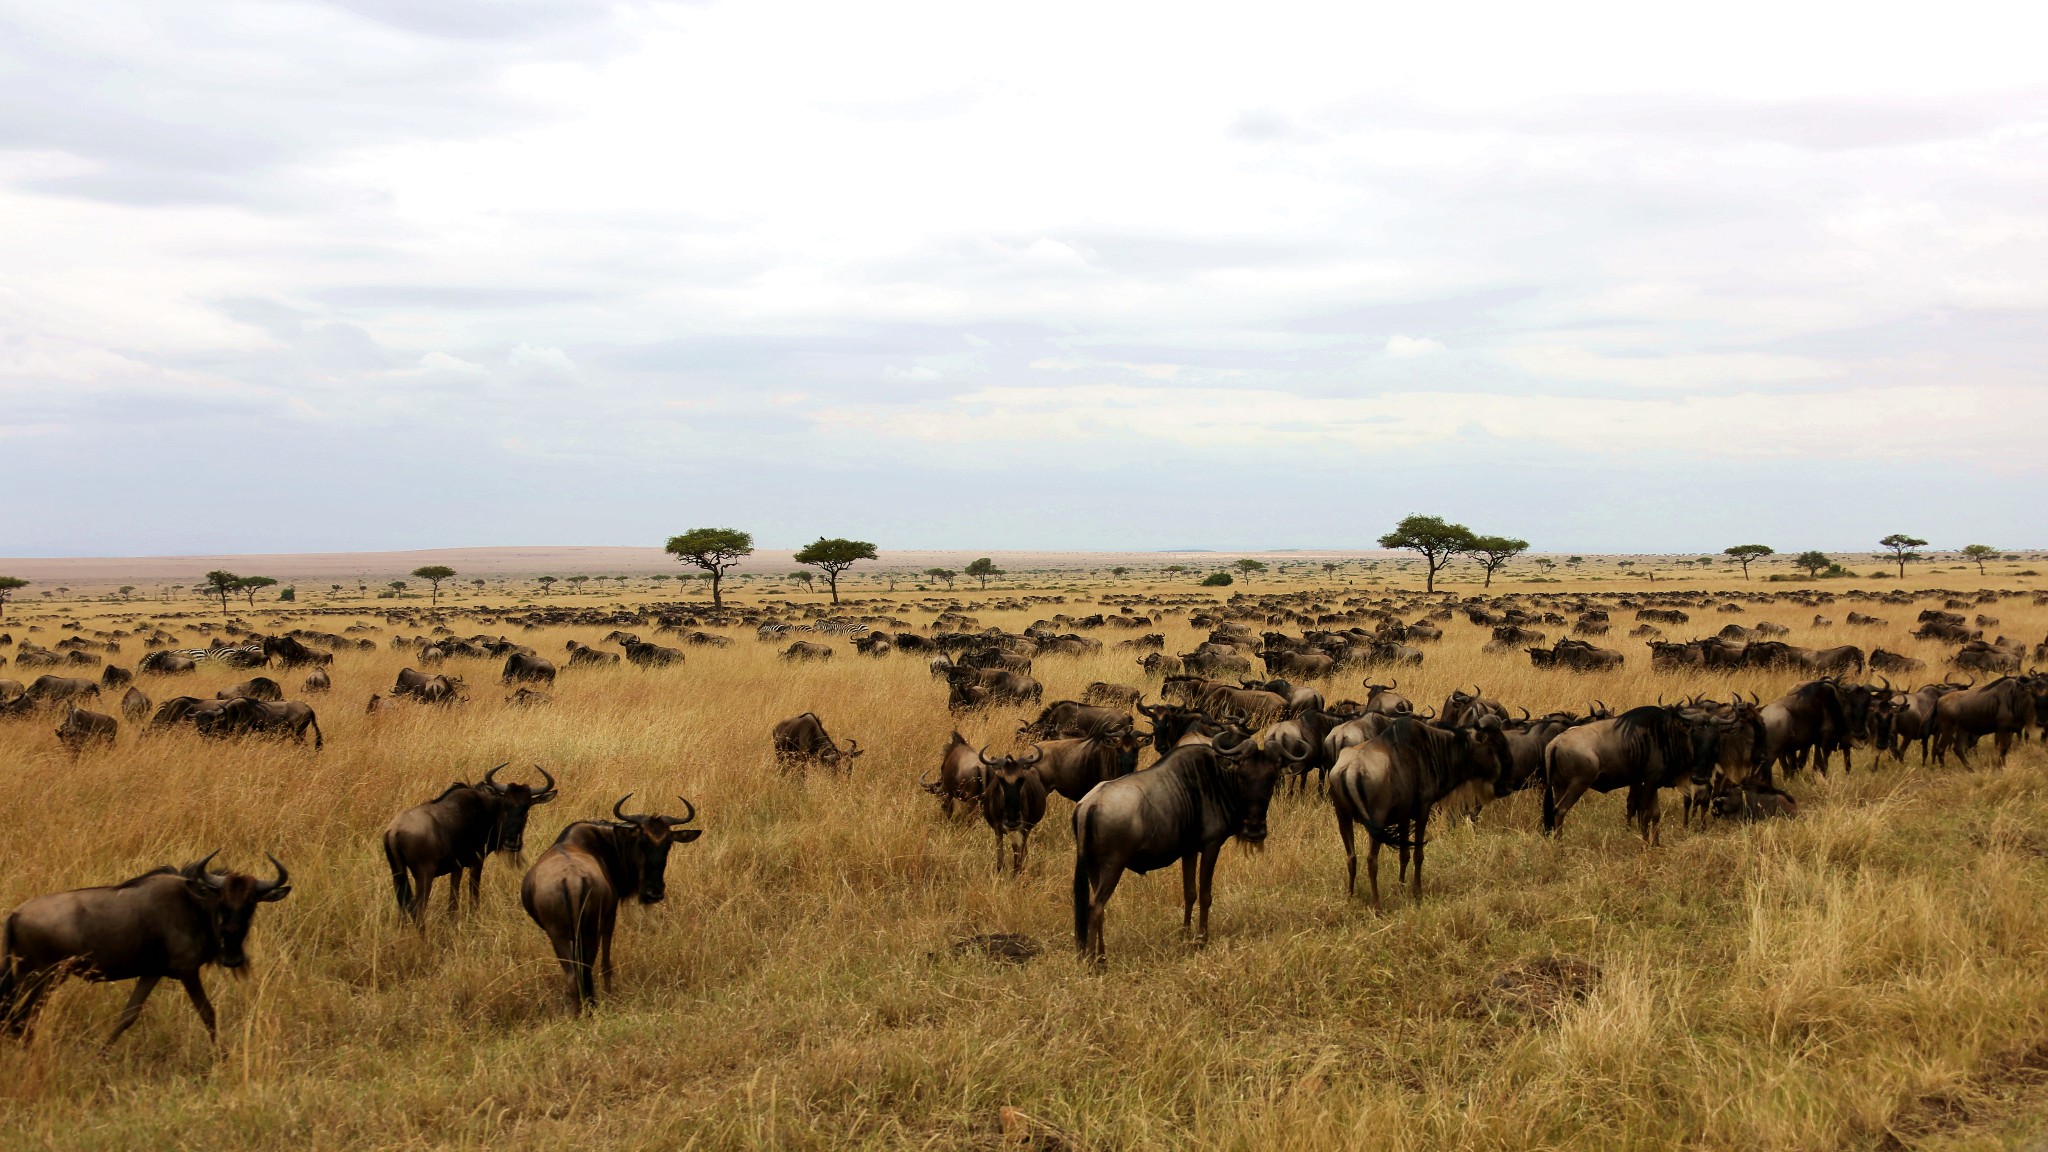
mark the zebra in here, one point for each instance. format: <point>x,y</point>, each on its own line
<point>244,656</point>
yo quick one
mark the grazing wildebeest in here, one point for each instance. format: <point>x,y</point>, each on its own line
<point>997,685</point>
<point>1391,783</point>
<point>1576,656</point>
<point>9,689</point>
<point>1108,695</point>
<point>427,689</point>
<point>1012,803</point>
<point>1884,661</point>
<point>254,688</point>
<point>166,922</point>
<point>1999,709</point>
<point>529,698</point>
<point>806,650</point>
<point>1183,808</point>
<point>454,832</point>
<point>519,667</point>
<point>581,653</point>
<point>960,774</point>
<point>115,676</point>
<point>574,890</point>
<point>1644,749</point>
<point>289,653</point>
<point>1073,718</point>
<point>49,691</point>
<point>802,739</point>
<point>134,705</point>
<point>81,729</point>
<point>242,715</point>
<point>317,681</point>
<point>652,655</point>
<point>1748,805</point>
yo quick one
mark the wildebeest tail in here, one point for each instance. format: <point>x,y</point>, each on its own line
<point>1549,788</point>
<point>401,877</point>
<point>318,739</point>
<point>1356,801</point>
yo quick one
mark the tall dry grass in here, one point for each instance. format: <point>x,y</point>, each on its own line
<point>1870,975</point>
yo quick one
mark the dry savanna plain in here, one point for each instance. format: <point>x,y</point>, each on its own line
<point>1871,974</point>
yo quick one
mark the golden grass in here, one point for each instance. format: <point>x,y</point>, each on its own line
<point>1868,976</point>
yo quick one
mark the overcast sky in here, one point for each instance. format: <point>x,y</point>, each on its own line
<point>413,273</point>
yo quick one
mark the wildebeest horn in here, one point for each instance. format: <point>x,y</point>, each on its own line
<point>619,809</point>
<point>197,869</point>
<point>983,754</point>
<point>691,815</point>
<point>1231,750</point>
<point>268,887</point>
<point>1525,713</point>
<point>547,791</point>
<point>491,777</point>
<point>924,782</point>
<point>1037,754</point>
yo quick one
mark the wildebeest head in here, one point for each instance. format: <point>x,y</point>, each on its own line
<point>229,900</point>
<point>1256,771</point>
<point>515,801</point>
<point>645,853</point>
<point>1002,790</point>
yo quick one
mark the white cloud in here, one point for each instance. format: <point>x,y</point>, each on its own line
<point>1409,347</point>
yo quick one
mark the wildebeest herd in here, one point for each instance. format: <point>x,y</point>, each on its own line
<point>1223,742</point>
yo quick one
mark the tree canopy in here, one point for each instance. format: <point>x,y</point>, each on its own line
<point>982,569</point>
<point>1437,541</point>
<point>434,574</point>
<point>715,550</point>
<point>1979,553</point>
<point>1747,554</point>
<point>1901,547</point>
<point>1814,561</point>
<point>8,586</point>
<point>833,556</point>
<point>220,582</point>
<point>1494,552</point>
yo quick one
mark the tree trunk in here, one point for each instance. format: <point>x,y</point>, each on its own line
<point>717,578</point>
<point>832,582</point>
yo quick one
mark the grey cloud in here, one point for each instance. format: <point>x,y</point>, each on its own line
<point>453,297</point>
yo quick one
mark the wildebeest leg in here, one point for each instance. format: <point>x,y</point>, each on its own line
<point>476,883</point>
<point>605,924</point>
<point>455,893</point>
<point>999,853</point>
<point>1400,828</point>
<point>1344,833</point>
<point>1023,847</point>
<point>1188,892</point>
<point>1421,830</point>
<point>196,992</point>
<point>143,988</point>
<point>1098,906</point>
<point>1565,800</point>
<point>422,887</point>
<point>2003,743</point>
<point>1209,856</point>
<point>1372,867</point>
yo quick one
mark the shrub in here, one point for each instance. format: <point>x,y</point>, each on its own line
<point>1217,580</point>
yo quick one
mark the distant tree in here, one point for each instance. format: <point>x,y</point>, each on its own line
<point>1814,561</point>
<point>1546,563</point>
<point>576,583</point>
<point>434,574</point>
<point>833,556</point>
<point>1747,554</point>
<point>1980,553</point>
<point>9,585</point>
<point>1901,548</point>
<point>1216,580</point>
<point>478,584</point>
<point>1494,552</point>
<point>946,574</point>
<point>982,569</point>
<point>396,585</point>
<point>250,585</point>
<point>127,590</point>
<point>1120,572</point>
<point>1176,567</point>
<point>1328,568</point>
<point>715,550</point>
<point>806,577</point>
<point>220,582</point>
<point>1249,566</point>
<point>1437,542</point>
<point>335,589</point>
<point>288,593</point>
<point>545,582</point>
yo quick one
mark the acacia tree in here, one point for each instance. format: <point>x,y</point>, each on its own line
<point>715,550</point>
<point>1249,566</point>
<point>946,574</point>
<point>1494,552</point>
<point>1747,554</point>
<point>434,574</point>
<point>1980,553</point>
<point>1437,541</point>
<point>8,586</point>
<point>220,582</point>
<point>545,583</point>
<point>1901,547</point>
<point>834,556</point>
<point>1814,561</point>
<point>982,569</point>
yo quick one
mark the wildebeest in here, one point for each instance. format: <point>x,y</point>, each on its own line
<point>1748,805</point>
<point>1463,708</point>
<point>806,650</point>
<point>1644,749</point>
<point>166,922</point>
<point>115,676</point>
<point>1391,783</point>
<point>427,689</point>
<point>1107,695</point>
<point>802,739</point>
<point>1071,767</point>
<point>49,691</point>
<point>1012,803</point>
<point>289,653</point>
<point>1384,699</point>
<point>574,890</point>
<point>82,729</point>
<point>652,655</point>
<point>317,681</point>
<point>243,716</point>
<point>167,664</point>
<point>1809,718</point>
<point>581,653</point>
<point>960,774</point>
<point>1073,718</point>
<point>1576,656</point>
<point>1183,808</point>
<point>2000,710</point>
<point>972,687</point>
<point>454,832</point>
<point>134,705</point>
<point>522,668</point>
<point>255,688</point>
<point>1884,661</point>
